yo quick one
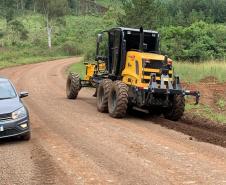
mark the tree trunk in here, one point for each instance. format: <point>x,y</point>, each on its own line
<point>17,5</point>
<point>49,32</point>
<point>22,4</point>
<point>34,5</point>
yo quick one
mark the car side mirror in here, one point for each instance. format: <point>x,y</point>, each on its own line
<point>23,94</point>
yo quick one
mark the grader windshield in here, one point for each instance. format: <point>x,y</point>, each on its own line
<point>133,41</point>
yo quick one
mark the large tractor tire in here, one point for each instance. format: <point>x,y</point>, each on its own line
<point>118,100</point>
<point>73,86</point>
<point>176,111</point>
<point>102,95</point>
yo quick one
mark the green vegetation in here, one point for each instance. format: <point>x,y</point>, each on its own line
<point>14,57</point>
<point>108,3</point>
<point>24,39</point>
<point>78,68</point>
<point>198,42</point>
<point>221,104</point>
<point>194,72</point>
<point>190,29</point>
<point>207,112</point>
<point>33,31</point>
<point>172,12</point>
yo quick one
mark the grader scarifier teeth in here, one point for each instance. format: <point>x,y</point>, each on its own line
<point>196,94</point>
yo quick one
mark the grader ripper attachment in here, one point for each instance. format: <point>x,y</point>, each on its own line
<point>133,74</point>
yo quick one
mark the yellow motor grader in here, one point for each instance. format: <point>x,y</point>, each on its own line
<point>132,74</point>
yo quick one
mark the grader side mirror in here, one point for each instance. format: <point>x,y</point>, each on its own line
<point>99,38</point>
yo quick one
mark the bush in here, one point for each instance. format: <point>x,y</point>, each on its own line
<point>90,53</point>
<point>200,41</point>
<point>1,33</point>
<point>70,48</point>
<point>18,28</point>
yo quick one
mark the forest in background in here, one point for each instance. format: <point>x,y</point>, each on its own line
<point>35,30</point>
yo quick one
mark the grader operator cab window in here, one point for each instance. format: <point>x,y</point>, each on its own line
<point>102,48</point>
<point>115,51</point>
<point>151,41</point>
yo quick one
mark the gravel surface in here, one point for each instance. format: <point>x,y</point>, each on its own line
<point>72,143</point>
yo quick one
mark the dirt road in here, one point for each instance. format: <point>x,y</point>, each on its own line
<point>74,144</point>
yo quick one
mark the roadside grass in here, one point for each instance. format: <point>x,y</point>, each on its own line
<point>78,68</point>
<point>28,60</point>
<point>207,112</point>
<point>14,56</point>
<point>194,72</point>
<point>221,104</point>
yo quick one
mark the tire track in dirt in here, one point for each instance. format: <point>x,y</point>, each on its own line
<point>200,129</point>
<point>44,171</point>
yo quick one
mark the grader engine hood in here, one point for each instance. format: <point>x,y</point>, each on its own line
<point>153,73</point>
<point>142,66</point>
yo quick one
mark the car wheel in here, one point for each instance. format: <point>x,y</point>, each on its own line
<point>26,137</point>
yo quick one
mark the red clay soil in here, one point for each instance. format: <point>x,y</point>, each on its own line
<point>201,128</point>
<point>197,128</point>
<point>209,79</point>
<point>211,92</point>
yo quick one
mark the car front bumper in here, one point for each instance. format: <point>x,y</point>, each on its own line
<point>11,128</point>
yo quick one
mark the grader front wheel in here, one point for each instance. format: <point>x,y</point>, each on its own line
<point>73,86</point>
<point>118,100</point>
<point>102,95</point>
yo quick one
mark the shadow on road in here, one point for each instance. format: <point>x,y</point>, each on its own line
<point>12,140</point>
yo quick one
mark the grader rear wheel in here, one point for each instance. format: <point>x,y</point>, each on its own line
<point>176,111</point>
<point>73,85</point>
<point>118,100</point>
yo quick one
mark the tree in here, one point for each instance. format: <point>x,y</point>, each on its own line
<point>140,13</point>
<point>8,9</point>
<point>52,9</point>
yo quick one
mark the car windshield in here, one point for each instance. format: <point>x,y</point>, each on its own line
<point>6,90</point>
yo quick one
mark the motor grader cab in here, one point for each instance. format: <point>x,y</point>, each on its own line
<point>134,74</point>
